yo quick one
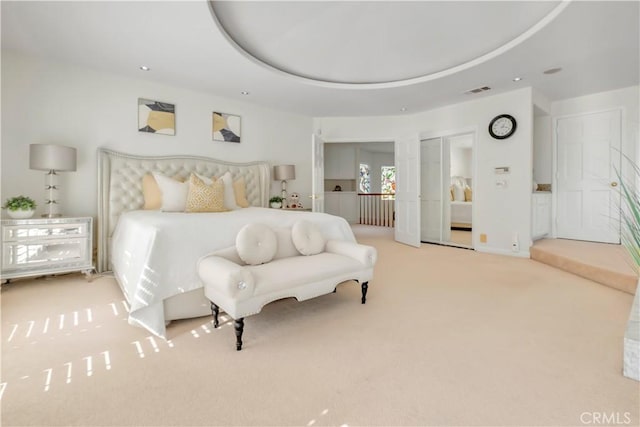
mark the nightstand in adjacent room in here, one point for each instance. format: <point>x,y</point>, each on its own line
<point>36,247</point>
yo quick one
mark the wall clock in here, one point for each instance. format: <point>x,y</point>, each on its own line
<point>502,126</point>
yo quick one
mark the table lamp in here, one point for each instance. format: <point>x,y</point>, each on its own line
<point>284,173</point>
<point>53,159</point>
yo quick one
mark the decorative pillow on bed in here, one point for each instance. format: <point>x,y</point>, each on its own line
<point>458,193</point>
<point>307,238</point>
<point>151,193</point>
<point>468,194</point>
<point>256,244</point>
<point>229,196</point>
<point>204,198</point>
<point>174,193</point>
<point>240,191</point>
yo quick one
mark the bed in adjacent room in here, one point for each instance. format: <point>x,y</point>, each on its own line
<point>153,253</point>
<point>461,203</point>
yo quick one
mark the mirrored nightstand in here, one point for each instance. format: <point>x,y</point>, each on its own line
<point>40,246</point>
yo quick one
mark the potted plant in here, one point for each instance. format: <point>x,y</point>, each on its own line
<point>275,202</point>
<point>20,207</point>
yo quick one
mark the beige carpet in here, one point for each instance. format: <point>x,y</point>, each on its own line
<point>607,264</point>
<point>447,337</point>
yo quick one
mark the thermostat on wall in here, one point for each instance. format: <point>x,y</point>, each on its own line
<point>502,169</point>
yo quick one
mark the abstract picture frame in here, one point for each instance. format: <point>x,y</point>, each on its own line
<point>156,117</point>
<point>225,127</point>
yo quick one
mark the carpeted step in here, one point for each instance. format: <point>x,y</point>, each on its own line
<point>605,264</point>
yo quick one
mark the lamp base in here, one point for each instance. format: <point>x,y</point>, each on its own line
<point>54,215</point>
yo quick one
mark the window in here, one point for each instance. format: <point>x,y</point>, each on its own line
<point>388,179</point>
<point>365,178</point>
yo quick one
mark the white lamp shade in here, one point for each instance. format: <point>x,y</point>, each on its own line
<point>284,172</point>
<point>52,157</point>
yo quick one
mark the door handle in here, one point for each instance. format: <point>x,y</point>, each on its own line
<point>614,184</point>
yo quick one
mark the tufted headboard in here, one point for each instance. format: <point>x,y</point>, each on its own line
<point>120,185</point>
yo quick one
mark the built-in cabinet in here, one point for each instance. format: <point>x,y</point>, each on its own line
<point>540,215</point>
<point>342,203</point>
<point>339,161</point>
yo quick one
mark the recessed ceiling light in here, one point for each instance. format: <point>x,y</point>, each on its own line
<point>517,79</point>
<point>244,92</point>
<point>403,109</point>
<point>553,70</point>
<point>144,68</point>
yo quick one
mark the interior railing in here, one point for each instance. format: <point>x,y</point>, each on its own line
<point>377,209</point>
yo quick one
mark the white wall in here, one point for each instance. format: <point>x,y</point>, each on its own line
<point>47,102</point>
<point>500,213</point>
<point>542,150</point>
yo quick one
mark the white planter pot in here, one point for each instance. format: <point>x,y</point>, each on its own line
<point>276,205</point>
<point>20,214</point>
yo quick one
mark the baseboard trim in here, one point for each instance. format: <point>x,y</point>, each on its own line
<point>498,251</point>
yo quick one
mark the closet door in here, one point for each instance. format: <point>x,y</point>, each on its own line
<point>431,219</point>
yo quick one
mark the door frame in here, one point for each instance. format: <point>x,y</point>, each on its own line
<point>450,133</point>
<point>554,152</point>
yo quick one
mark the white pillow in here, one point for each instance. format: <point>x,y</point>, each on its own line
<point>174,193</point>
<point>458,193</point>
<point>229,194</point>
<point>205,179</point>
<point>307,238</point>
<point>256,244</point>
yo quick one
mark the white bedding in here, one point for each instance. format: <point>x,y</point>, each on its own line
<point>461,212</point>
<point>154,254</point>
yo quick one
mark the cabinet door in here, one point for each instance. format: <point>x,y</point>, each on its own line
<point>332,203</point>
<point>347,163</point>
<point>349,207</point>
<point>339,162</point>
<point>541,215</point>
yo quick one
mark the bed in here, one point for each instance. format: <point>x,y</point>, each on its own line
<point>461,214</point>
<point>153,254</point>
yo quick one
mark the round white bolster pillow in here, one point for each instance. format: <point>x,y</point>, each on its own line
<point>307,238</point>
<point>256,244</point>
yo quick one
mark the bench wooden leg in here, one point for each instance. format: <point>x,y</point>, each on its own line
<point>365,286</point>
<point>215,310</point>
<point>239,327</point>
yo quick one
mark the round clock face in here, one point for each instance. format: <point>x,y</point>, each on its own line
<point>502,126</point>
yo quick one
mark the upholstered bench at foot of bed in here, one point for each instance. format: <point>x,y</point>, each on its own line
<point>242,290</point>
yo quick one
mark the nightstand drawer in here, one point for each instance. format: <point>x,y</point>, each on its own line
<point>12,233</point>
<point>53,252</point>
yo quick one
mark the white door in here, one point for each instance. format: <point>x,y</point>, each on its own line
<point>588,154</point>
<point>431,212</point>
<point>407,160</point>
<point>317,178</point>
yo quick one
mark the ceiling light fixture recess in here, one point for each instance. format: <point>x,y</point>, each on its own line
<point>145,68</point>
<point>517,79</point>
<point>403,109</point>
<point>244,92</point>
<point>552,70</point>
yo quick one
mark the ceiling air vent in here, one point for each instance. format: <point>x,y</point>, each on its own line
<point>478,90</point>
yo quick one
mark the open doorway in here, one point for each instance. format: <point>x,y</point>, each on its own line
<point>359,181</point>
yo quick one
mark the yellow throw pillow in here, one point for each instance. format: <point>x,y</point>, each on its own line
<point>203,197</point>
<point>151,193</point>
<point>451,193</point>
<point>467,194</point>
<point>239,189</point>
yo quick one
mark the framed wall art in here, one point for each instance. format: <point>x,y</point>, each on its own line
<point>156,117</point>
<point>225,127</point>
